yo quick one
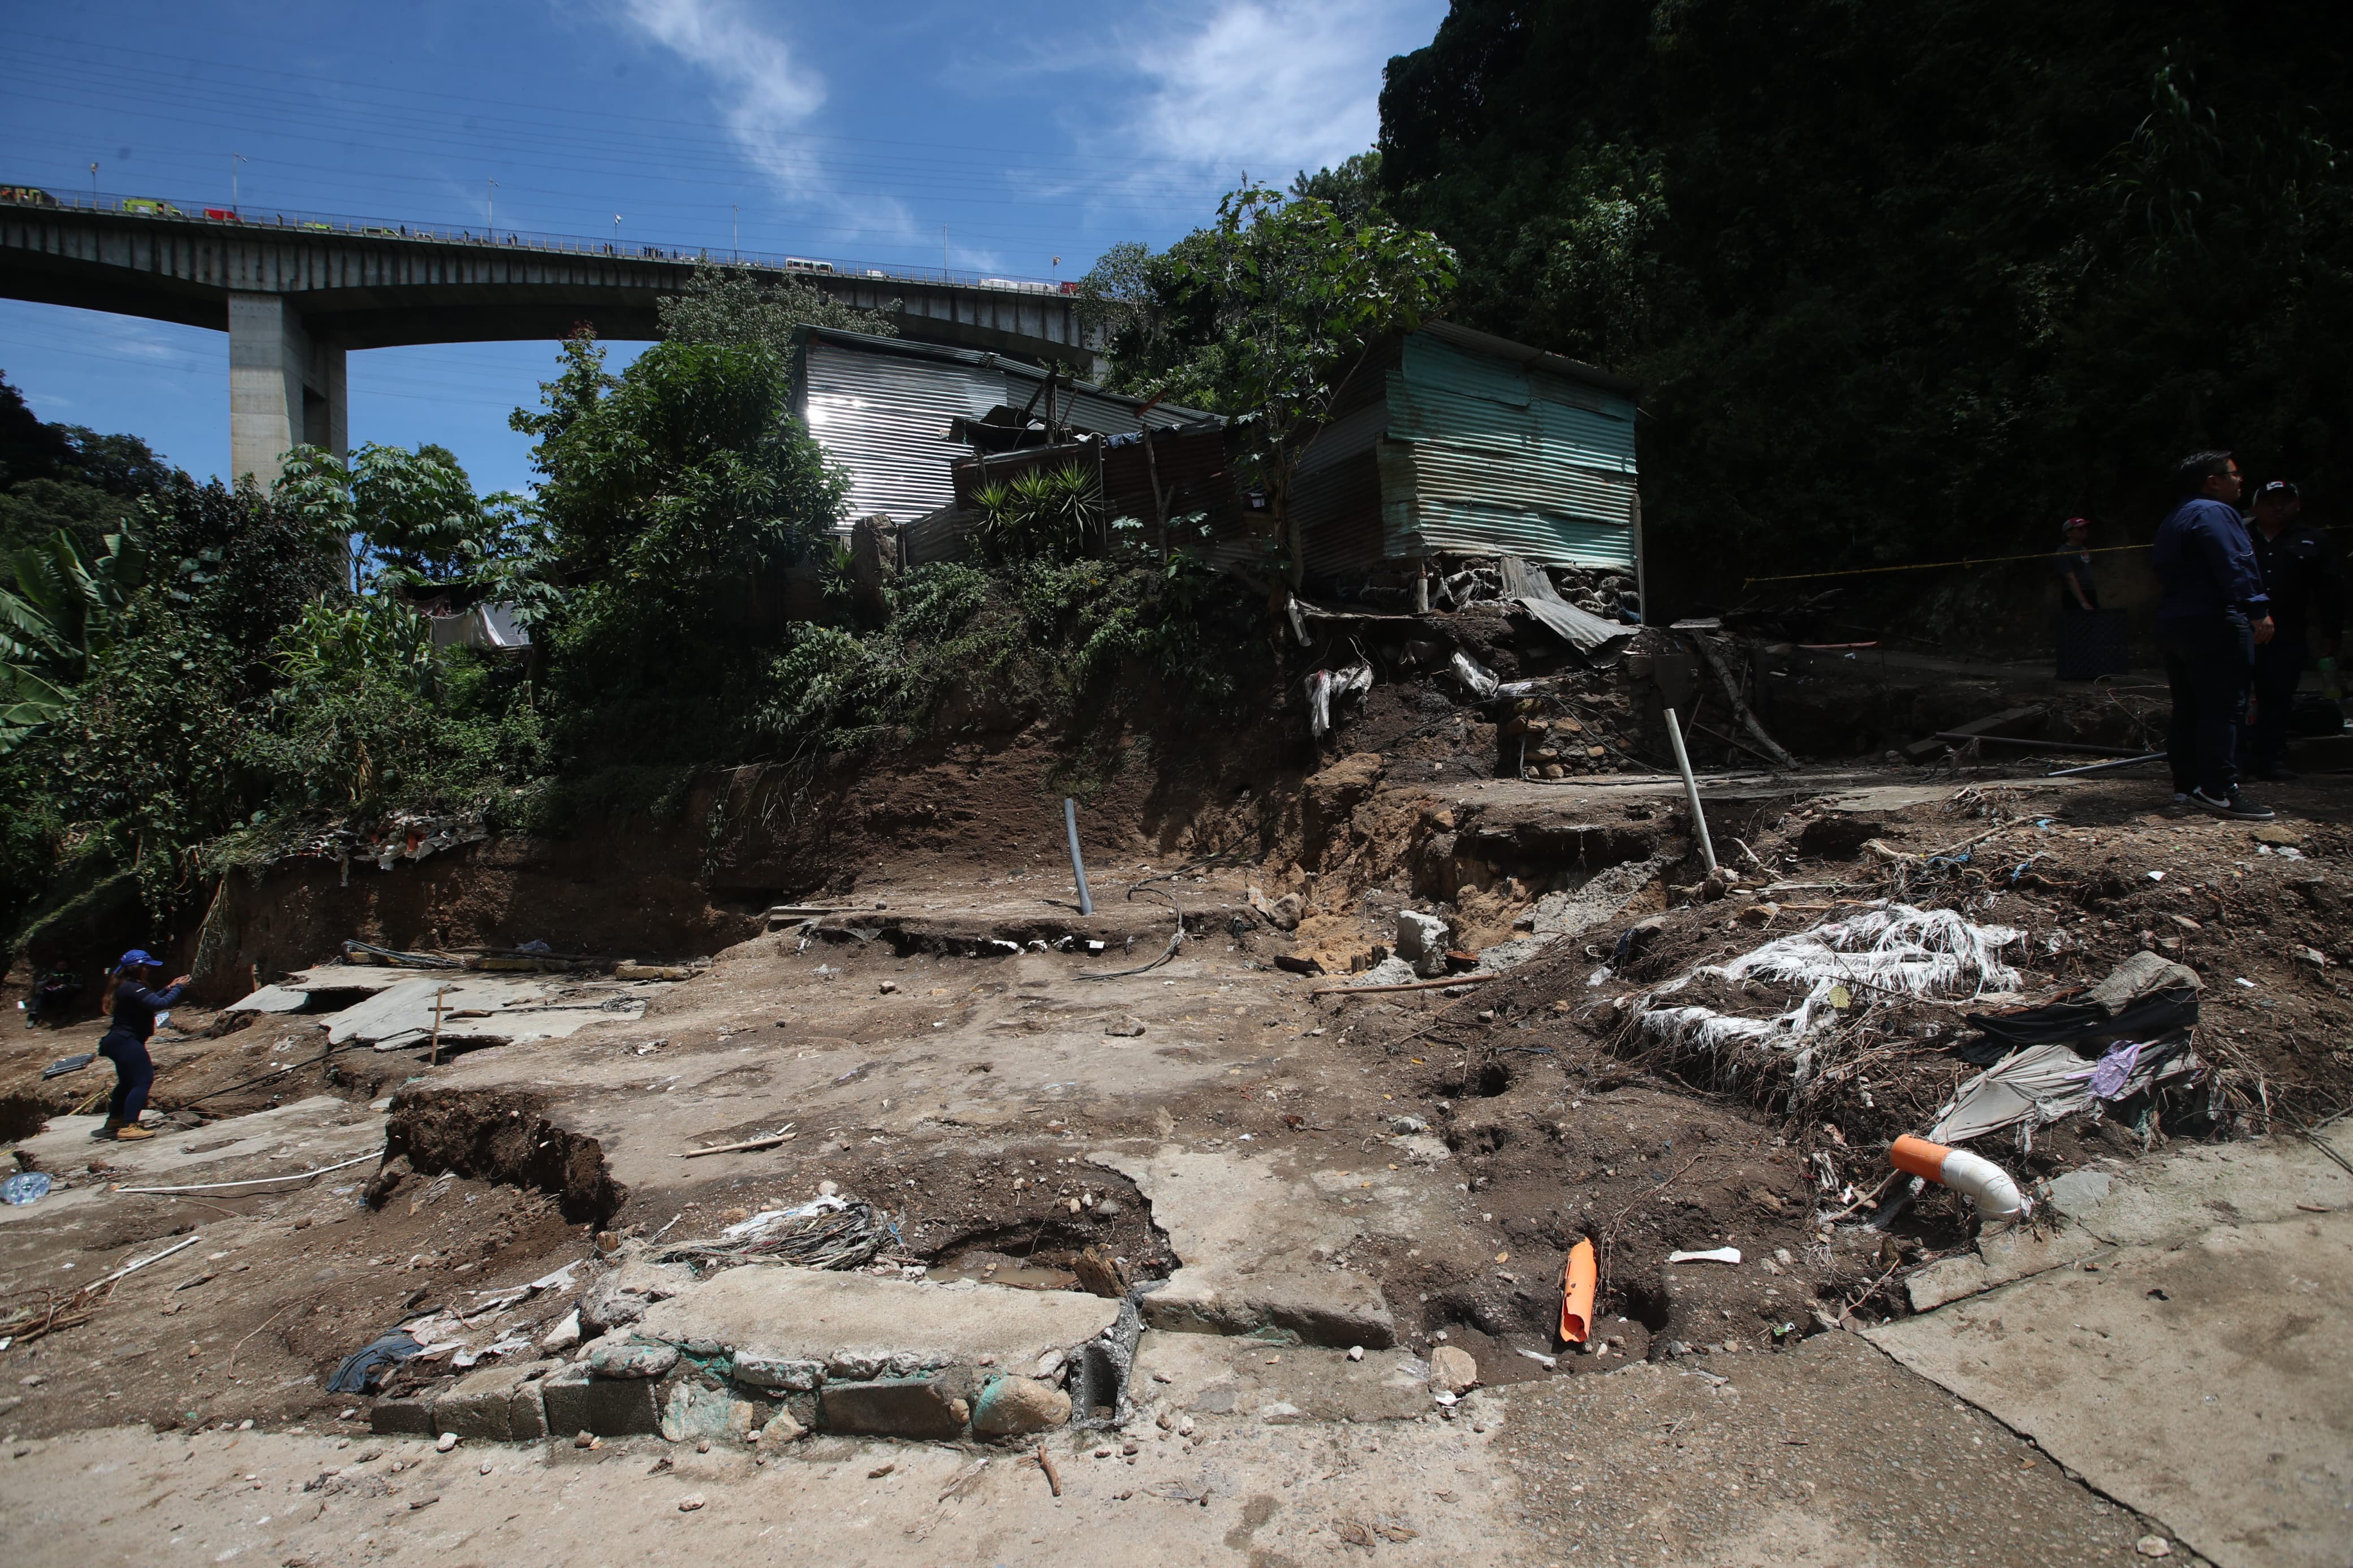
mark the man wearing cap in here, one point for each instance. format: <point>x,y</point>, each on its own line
<point>2307,595</point>
<point>2212,615</point>
<point>2077,591</point>
<point>132,1009</point>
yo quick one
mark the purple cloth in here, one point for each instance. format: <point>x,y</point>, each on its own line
<point>2114,1069</point>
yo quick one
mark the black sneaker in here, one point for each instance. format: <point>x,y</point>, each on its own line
<point>2236,806</point>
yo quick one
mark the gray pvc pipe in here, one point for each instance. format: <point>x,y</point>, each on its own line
<point>1690,789</point>
<point>1077,864</point>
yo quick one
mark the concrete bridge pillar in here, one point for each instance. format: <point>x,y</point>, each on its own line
<point>284,390</point>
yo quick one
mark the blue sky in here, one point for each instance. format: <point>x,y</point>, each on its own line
<point>853,133</point>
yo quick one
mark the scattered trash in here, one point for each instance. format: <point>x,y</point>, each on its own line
<point>1325,687</point>
<point>358,1370</point>
<point>1476,678</point>
<point>2144,997</point>
<point>1546,1361</point>
<point>25,1187</point>
<point>829,1232</point>
<point>535,945</point>
<point>1576,1293</point>
<point>447,1441</point>
<point>1898,950</point>
<point>1715,1255</point>
<point>1972,1175</point>
<point>2041,1084</point>
<point>64,1065</point>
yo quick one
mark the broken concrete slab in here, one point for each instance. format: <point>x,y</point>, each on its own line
<point>351,982</point>
<point>2255,1181</point>
<point>480,1009</point>
<point>1252,1245</point>
<point>2261,1179</point>
<point>1189,1374</point>
<point>284,1140</point>
<point>2142,1375</point>
<point>1999,1259</point>
<point>788,1314</point>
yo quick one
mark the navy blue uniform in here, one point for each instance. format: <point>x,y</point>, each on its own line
<point>2212,589</point>
<point>125,1045</point>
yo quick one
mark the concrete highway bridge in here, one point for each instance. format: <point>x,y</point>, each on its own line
<point>295,293</point>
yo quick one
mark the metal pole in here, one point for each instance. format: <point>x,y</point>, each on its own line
<point>1690,790</point>
<point>1077,864</point>
<point>735,232</point>
<point>490,207</point>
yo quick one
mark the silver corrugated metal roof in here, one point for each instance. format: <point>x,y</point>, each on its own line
<point>881,407</point>
<point>885,418</point>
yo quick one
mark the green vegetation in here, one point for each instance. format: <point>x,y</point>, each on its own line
<point>1904,279</point>
<point>1263,315</point>
<point>221,674</point>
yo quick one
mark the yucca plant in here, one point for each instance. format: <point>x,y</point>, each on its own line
<point>1040,512</point>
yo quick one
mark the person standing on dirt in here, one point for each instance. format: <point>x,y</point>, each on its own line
<point>2212,615</point>
<point>2307,593</point>
<point>131,1008</point>
<point>2077,591</point>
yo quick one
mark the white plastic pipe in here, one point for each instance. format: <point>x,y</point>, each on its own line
<point>1690,790</point>
<point>1974,1176</point>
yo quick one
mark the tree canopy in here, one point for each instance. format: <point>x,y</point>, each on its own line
<point>1905,278</point>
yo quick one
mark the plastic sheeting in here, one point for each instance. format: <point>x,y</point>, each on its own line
<point>2041,1084</point>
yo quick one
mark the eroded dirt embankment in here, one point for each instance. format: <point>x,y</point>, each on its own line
<point>499,1136</point>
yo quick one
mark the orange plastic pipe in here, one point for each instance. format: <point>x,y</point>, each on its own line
<point>1919,1157</point>
<point>1576,1295</point>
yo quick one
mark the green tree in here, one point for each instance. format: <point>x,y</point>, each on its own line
<point>1262,317</point>
<point>733,307</point>
<point>1905,280</point>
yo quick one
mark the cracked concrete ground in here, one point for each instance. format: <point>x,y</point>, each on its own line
<point>994,1091</point>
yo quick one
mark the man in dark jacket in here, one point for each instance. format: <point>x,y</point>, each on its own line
<point>2307,595</point>
<point>132,1009</point>
<point>2212,615</point>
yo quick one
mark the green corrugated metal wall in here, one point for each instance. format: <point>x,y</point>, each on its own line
<point>1485,457</point>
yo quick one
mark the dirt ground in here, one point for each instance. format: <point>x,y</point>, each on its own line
<point>956,1054</point>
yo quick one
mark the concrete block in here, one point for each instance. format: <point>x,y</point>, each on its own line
<point>413,1416</point>
<point>480,1406</point>
<point>610,1407</point>
<point>527,1414</point>
<point>774,1369</point>
<point>893,1407</point>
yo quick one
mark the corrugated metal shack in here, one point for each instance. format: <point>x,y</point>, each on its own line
<point>1451,441</point>
<point>1189,463</point>
<point>882,407</point>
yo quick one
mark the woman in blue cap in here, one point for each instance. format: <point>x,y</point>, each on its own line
<point>132,1009</point>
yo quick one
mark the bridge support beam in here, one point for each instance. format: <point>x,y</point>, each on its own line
<point>284,390</point>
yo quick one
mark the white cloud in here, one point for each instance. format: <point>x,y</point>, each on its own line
<point>765,94</point>
<point>1269,86</point>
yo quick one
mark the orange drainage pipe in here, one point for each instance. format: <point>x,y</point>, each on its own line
<point>1984,1183</point>
<point>1576,1294</point>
